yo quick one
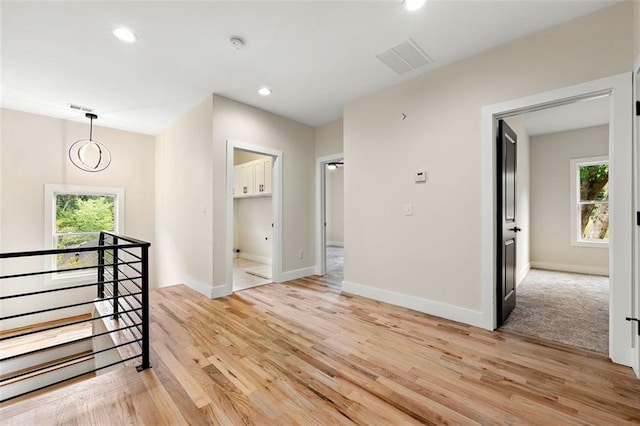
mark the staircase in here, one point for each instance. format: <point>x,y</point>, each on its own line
<point>42,358</point>
<point>117,332</point>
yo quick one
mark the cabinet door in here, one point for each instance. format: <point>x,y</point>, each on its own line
<point>268,170</point>
<point>247,184</point>
<point>243,180</point>
<point>262,173</point>
<point>258,169</point>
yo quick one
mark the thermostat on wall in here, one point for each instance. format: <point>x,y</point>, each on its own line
<point>421,176</point>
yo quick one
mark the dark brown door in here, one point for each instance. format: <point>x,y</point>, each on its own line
<point>507,226</point>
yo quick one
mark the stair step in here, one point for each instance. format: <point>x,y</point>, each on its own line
<point>43,339</point>
<point>55,364</point>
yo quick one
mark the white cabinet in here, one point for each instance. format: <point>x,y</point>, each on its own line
<point>262,176</point>
<point>252,179</point>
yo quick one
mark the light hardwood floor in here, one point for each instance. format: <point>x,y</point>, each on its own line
<point>302,353</point>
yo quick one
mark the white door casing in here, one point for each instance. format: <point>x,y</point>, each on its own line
<point>320,216</point>
<point>276,194</point>
<point>619,90</point>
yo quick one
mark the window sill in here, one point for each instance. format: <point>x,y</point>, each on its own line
<point>62,279</point>
<point>592,244</point>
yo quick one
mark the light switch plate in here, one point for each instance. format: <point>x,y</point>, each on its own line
<point>408,210</point>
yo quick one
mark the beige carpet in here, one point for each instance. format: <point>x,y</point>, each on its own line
<point>562,307</point>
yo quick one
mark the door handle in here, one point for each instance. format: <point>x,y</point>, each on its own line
<point>515,229</point>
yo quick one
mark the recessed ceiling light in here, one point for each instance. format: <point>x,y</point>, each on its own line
<point>264,91</point>
<point>413,4</point>
<point>125,34</point>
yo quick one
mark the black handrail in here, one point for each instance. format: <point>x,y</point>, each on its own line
<point>118,282</point>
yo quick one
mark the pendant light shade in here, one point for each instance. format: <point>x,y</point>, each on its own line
<point>90,155</point>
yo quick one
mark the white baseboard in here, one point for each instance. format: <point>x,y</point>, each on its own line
<point>522,273</point>
<point>430,307</point>
<point>297,273</point>
<point>202,288</point>
<point>220,291</point>
<point>209,291</point>
<point>255,258</point>
<point>335,243</point>
<point>578,269</point>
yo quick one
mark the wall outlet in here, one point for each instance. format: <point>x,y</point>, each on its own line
<point>300,254</point>
<point>420,176</point>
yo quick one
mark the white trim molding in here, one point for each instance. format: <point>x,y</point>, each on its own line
<point>574,201</point>
<point>575,269</point>
<point>320,210</point>
<point>255,258</point>
<point>619,89</point>
<point>442,310</point>
<point>297,273</point>
<point>50,192</point>
<point>522,273</point>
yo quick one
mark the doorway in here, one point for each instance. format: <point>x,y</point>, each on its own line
<point>252,219</point>
<point>620,260</point>
<point>254,209</point>
<point>330,218</point>
<point>562,255</point>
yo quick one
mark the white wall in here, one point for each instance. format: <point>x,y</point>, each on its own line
<point>252,228</point>
<point>636,28</point>
<point>35,153</point>
<point>329,138</point>
<point>431,261</point>
<point>184,202</point>
<point>550,202</point>
<point>335,206</point>
<point>240,122</point>
<point>241,156</point>
<point>191,176</point>
<point>523,258</point>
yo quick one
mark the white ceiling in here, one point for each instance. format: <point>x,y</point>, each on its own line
<point>577,115</point>
<point>314,55</point>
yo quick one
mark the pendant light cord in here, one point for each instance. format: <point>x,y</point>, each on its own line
<point>90,117</point>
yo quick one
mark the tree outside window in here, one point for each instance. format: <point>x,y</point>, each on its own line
<point>79,220</point>
<point>590,190</point>
<point>594,201</point>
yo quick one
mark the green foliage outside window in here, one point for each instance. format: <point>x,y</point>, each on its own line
<point>79,220</point>
<point>594,201</point>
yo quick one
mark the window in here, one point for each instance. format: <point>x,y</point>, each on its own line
<point>590,202</point>
<point>75,215</point>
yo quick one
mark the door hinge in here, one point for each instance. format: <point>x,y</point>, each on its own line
<point>638,218</point>
<point>637,107</point>
<point>636,320</point>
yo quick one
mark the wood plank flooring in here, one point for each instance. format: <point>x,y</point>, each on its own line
<point>44,339</point>
<point>302,353</point>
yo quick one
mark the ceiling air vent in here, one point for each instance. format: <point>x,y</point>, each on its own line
<point>404,57</point>
<point>80,108</point>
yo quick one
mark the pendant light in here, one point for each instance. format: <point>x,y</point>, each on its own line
<point>90,155</point>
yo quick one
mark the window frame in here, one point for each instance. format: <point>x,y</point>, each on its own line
<point>574,172</point>
<point>50,237</point>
